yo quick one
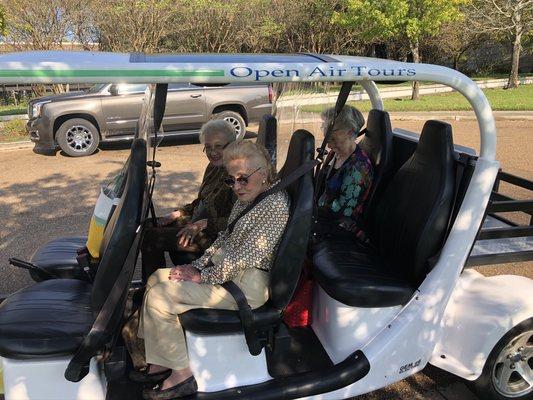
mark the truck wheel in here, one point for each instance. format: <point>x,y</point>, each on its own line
<point>78,137</point>
<point>508,372</point>
<point>235,119</point>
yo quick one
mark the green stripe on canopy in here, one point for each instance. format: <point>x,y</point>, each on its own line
<point>90,73</point>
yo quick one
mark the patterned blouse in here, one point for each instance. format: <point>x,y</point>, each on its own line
<point>347,188</point>
<point>252,244</point>
<point>214,202</point>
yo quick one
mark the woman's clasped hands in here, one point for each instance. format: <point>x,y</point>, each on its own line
<point>184,272</point>
<point>189,232</point>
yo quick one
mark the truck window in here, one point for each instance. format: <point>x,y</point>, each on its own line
<point>129,88</point>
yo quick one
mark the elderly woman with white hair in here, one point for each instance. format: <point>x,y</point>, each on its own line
<point>348,175</point>
<point>187,231</point>
<point>243,255</point>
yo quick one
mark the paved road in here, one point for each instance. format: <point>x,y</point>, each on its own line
<point>46,197</point>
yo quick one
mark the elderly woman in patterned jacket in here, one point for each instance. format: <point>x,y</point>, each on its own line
<point>186,232</point>
<point>243,256</point>
<point>348,176</point>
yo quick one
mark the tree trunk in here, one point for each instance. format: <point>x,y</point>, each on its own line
<point>416,59</point>
<point>58,88</point>
<point>38,90</point>
<point>513,76</point>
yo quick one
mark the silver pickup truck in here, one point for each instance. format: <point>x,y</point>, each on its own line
<point>78,122</point>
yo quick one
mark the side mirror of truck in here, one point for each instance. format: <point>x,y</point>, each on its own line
<point>113,89</point>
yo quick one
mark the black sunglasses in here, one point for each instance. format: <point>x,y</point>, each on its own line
<point>241,180</point>
<point>216,148</point>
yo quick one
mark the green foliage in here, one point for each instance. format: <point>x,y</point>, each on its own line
<point>2,21</point>
<point>13,130</point>
<point>425,17</point>
<point>520,99</point>
<point>14,110</point>
<point>377,20</point>
<point>414,19</point>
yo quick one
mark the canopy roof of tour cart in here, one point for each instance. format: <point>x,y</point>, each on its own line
<point>100,67</point>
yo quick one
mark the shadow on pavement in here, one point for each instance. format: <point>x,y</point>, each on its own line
<point>56,205</point>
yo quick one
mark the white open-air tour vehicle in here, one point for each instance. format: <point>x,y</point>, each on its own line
<point>381,311</point>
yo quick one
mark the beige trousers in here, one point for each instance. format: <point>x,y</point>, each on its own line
<point>164,300</point>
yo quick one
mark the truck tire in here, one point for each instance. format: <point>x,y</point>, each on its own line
<point>508,371</point>
<point>77,137</point>
<point>235,119</point>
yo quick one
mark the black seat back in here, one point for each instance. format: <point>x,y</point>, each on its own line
<point>113,277</point>
<point>122,226</point>
<point>292,249</point>
<point>377,143</point>
<point>409,225</point>
<point>267,135</point>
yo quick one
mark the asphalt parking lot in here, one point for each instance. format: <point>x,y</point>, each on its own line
<point>46,197</point>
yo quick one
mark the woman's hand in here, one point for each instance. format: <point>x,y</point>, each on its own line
<point>184,273</point>
<point>188,233</point>
<point>169,218</point>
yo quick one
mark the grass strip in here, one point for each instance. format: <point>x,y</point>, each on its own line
<point>520,99</point>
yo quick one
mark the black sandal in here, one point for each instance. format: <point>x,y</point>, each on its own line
<point>142,376</point>
<point>185,388</point>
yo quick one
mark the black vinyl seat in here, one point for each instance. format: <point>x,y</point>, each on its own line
<point>288,261</point>
<point>54,317</point>
<point>46,319</point>
<point>377,144</point>
<point>58,257</point>
<point>267,135</point>
<point>407,229</point>
<point>356,276</point>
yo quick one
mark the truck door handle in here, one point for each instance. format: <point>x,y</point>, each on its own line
<point>195,96</point>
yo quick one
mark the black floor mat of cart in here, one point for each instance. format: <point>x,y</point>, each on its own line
<point>299,351</point>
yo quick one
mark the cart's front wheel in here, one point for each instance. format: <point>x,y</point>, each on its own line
<point>508,372</point>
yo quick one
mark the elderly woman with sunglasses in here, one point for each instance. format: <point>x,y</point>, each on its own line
<point>347,176</point>
<point>189,230</point>
<point>243,256</point>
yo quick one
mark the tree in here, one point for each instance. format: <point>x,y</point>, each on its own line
<point>132,25</point>
<point>453,42</point>
<point>34,25</point>
<point>409,20</point>
<point>82,19</point>
<point>210,26</point>
<point>511,19</point>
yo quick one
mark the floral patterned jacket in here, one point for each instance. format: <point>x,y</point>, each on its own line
<point>346,189</point>
<point>252,244</point>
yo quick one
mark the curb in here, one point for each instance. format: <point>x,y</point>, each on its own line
<point>424,116</point>
<point>458,117</point>
<point>4,118</point>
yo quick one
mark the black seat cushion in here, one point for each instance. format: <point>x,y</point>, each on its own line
<point>59,258</point>
<point>408,228</point>
<point>206,321</point>
<point>377,143</point>
<point>47,319</point>
<point>357,276</point>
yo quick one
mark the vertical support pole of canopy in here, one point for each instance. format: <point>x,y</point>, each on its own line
<point>373,92</point>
